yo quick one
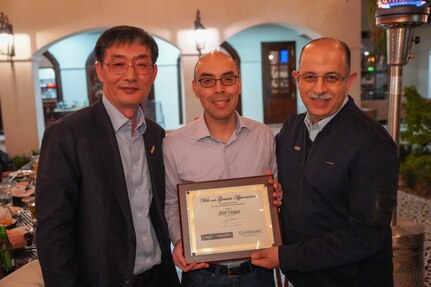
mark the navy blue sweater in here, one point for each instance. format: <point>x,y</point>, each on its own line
<point>339,194</point>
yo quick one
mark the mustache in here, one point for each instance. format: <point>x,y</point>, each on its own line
<point>128,87</point>
<point>321,97</point>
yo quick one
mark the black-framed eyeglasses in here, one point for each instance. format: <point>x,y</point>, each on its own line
<point>329,78</point>
<point>225,81</point>
<point>121,67</point>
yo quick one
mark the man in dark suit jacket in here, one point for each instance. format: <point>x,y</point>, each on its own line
<point>100,184</point>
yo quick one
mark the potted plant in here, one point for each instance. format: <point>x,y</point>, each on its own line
<point>19,161</point>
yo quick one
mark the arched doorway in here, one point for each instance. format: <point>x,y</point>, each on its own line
<point>256,71</point>
<point>50,86</point>
<point>80,85</point>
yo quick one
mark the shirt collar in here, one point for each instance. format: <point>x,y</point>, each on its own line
<point>119,120</point>
<point>321,124</point>
<point>202,128</point>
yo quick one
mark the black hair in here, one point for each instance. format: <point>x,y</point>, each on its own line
<point>120,35</point>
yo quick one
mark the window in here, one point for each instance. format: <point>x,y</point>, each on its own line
<point>374,73</point>
<point>48,85</point>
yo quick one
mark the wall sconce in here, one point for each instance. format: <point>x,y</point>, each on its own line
<point>6,37</point>
<point>200,34</point>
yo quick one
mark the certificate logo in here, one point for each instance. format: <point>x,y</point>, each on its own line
<point>215,236</point>
<point>245,233</point>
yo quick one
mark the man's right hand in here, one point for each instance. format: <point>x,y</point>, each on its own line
<point>16,237</point>
<point>180,261</point>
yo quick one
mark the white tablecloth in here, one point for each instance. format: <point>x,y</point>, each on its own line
<point>30,275</point>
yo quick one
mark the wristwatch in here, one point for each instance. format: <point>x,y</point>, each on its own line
<point>28,238</point>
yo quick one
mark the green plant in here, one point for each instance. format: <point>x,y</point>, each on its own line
<point>416,171</point>
<point>19,161</point>
<point>416,161</point>
<point>417,119</point>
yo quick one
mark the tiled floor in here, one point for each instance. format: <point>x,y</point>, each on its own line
<point>418,209</point>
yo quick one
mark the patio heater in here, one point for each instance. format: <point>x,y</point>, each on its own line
<point>399,19</point>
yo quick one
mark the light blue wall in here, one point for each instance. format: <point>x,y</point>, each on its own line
<point>247,43</point>
<point>73,52</point>
<point>166,84</point>
<point>74,85</point>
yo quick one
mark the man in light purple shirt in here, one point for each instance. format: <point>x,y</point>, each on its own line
<point>220,144</point>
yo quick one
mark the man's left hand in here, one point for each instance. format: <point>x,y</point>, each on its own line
<point>267,258</point>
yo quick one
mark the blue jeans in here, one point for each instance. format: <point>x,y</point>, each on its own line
<point>258,277</point>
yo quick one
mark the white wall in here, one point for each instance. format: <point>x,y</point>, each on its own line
<point>417,72</point>
<point>429,75</point>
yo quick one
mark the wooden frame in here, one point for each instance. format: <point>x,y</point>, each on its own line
<point>227,219</point>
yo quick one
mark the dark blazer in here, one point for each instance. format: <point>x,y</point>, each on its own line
<point>85,234</point>
<point>339,195</point>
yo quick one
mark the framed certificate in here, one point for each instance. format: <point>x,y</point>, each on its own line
<point>227,219</point>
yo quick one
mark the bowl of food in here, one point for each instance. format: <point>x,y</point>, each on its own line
<point>6,218</point>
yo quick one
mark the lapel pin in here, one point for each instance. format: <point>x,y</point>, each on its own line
<point>297,147</point>
<point>329,162</point>
<point>152,149</point>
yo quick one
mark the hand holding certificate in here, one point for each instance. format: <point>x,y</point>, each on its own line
<point>227,219</point>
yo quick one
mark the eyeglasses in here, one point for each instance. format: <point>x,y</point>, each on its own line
<point>225,81</point>
<point>120,67</point>
<point>330,78</point>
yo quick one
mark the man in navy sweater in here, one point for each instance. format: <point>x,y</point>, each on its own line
<point>339,171</point>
